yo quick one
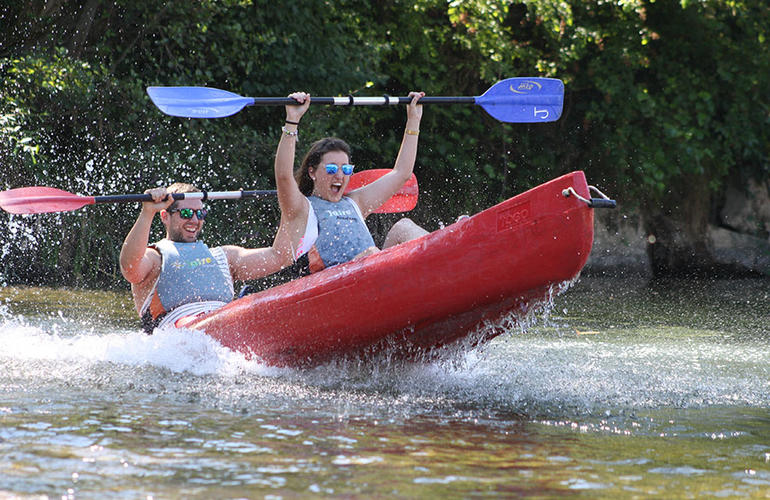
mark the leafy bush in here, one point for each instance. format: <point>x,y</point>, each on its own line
<point>665,100</point>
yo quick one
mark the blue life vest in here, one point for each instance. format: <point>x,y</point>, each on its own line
<point>190,272</point>
<point>342,232</point>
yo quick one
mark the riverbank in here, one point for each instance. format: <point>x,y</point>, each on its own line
<point>621,247</point>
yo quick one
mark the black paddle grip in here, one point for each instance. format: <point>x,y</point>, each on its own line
<point>603,203</point>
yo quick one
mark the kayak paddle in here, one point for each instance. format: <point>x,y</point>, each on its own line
<point>38,199</point>
<point>513,100</point>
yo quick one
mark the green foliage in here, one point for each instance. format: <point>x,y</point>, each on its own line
<point>657,93</point>
<point>665,91</point>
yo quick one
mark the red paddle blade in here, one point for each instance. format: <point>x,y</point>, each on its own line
<point>39,200</point>
<point>403,201</point>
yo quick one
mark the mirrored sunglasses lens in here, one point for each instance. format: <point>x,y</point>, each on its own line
<point>331,168</point>
<point>347,169</point>
<point>187,213</point>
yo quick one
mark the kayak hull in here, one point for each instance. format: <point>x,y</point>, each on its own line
<point>424,295</point>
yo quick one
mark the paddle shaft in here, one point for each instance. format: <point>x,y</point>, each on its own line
<point>387,100</point>
<point>42,199</point>
<point>361,101</point>
<point>204,195</point>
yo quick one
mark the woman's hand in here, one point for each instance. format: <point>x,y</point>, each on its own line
<point>293,112</point>
<point>414,110</point>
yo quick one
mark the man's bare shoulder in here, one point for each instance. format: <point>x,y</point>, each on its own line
<point>149,267</point>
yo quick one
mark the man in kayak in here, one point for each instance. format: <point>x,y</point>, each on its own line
<point>325,226</point>
<point>180,277</point>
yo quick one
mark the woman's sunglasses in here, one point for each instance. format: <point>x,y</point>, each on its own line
<point>187,213</point>
<point>332,168</point>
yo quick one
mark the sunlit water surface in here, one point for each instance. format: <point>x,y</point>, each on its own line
<point>623,390</point>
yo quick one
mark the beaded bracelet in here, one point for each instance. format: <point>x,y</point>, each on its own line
<point>293,133</point>
<point>412,132</point>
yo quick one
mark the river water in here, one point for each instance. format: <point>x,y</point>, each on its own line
<point>623,390</point>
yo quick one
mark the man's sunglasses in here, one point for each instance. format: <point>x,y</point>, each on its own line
<point>187,213</point>
<point>332,168</point>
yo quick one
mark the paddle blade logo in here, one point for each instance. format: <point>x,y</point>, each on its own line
<point>526,87</point>
<point>524,100</point>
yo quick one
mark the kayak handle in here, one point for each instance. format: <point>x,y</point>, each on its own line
<point>603,202</point>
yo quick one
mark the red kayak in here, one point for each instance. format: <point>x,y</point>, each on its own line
<point>423,296</point>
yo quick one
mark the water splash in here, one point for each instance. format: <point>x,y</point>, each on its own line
<point>532,369</point>
<point>174,350</point>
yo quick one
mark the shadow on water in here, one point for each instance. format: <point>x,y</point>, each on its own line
<point>731,307</point>
<point>93,310</point>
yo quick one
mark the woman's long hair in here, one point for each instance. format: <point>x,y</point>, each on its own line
<point>313,158</point>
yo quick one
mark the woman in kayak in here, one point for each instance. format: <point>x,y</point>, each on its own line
<point>326,226</point>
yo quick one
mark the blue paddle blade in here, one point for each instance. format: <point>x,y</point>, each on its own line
<point>197,102</point>
<point>524,100</point>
